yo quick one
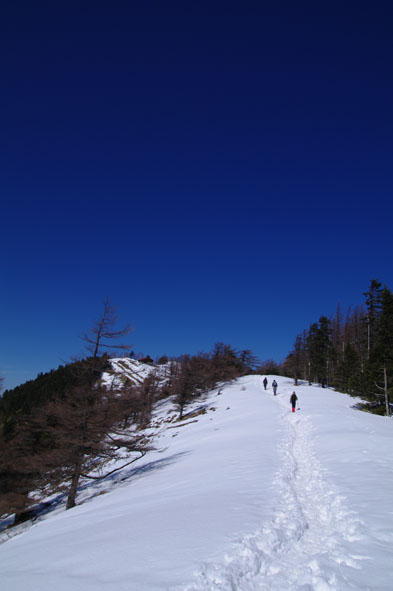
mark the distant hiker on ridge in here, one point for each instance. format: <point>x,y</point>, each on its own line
<point>274,384</point>
<point>292,400</point>
<point>265,383</point>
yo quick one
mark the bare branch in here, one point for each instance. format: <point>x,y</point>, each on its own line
<point>104,329</point>
<point>143,453</point>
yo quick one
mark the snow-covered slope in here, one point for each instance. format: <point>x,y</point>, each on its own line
<point>246,496</point>
<point>125,369</point>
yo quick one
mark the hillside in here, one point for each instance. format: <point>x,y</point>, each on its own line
<point>242,494</point>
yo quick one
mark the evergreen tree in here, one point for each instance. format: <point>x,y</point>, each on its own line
<point>349,370</point>
<point>374,306</point>
<point>355,356</point>
<point>320,351</point>
<point>380,366</point>
<point>383,339</point>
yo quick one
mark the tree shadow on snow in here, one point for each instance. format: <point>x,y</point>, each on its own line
<point>92,489</point>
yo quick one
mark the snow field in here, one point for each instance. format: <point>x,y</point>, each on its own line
<point>301,548</point>
<point>246,497</point>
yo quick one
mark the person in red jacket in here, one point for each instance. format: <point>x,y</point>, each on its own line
<point>292,400</point>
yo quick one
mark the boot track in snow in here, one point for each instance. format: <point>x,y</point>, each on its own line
<point>301,549</point>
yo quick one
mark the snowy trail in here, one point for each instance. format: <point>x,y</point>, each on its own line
<point>249,497</point>
<point>305,546</point>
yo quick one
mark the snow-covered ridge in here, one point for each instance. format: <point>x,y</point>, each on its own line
<point>126,369</point>
<point>244,495</point>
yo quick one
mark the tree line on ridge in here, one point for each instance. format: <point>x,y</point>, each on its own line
<point>352,354</point>
<point>61,429</point>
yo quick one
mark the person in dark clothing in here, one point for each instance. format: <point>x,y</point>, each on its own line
<point>265,383</point>
<point>274,384</point>
<point>292,400</point>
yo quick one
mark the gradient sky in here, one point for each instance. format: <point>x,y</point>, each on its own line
<point>221,171</point>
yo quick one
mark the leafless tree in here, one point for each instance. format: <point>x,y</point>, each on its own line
<point>199,373</point>
<point>17,477</point>
<point>147,393</point>
<point>295,361</point>
<point>89,412</point>
<point>101,335</point>
<point>77,435</point>
<point>78,432</point>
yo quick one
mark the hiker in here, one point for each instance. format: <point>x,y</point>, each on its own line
<point>274,384</point>
<point>292,400</point>
<point>265,383</point>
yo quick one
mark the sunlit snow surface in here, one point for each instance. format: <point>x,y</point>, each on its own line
<point>246,497</point>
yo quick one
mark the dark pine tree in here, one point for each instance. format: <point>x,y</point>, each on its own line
<point>380,365</point>
<point>374,307</point>
<point>320,351</point>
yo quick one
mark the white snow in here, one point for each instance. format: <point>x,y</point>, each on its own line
<point>246,497</point>
<point>131,370</point>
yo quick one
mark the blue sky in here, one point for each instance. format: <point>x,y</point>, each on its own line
<point>221,175</point>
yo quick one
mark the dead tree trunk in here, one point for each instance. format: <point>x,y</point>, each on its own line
<point>386,392</point>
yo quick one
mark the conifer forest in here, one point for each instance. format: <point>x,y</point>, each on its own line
<point>351,353</point>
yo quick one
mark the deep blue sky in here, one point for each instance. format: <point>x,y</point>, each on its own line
<point>223,172</point>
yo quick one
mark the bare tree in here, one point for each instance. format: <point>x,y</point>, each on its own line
<point>77,435</point>
<point>198,374</point>
<point>17,477</point>
<point>78,432</point>
<point>385,391</point>
<point>294,362</point>
<point>147,394</point>
<point>183,385</point>
<point>250,362</point>
<point>101,335</point>
<point>90,408</point>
